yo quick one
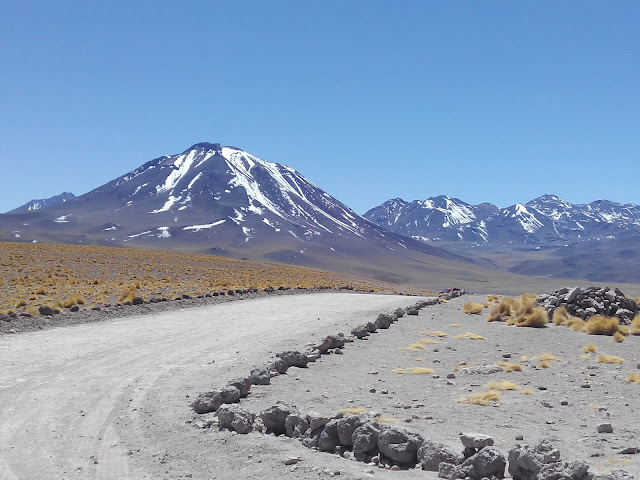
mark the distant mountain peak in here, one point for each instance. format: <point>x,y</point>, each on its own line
<point>43,203</point>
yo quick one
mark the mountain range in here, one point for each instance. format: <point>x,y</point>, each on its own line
<point>222,200</point>
<point>545,236</point>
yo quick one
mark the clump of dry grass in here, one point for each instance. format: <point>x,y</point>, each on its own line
<point>544,365</point>
<point>428,340</point>
<point>353,410</point>
<point>437,333</point>
<point>599,325</point>
<point>470,336</point>
<point>501,385</point>
<point>457,325</point>
<point>547,357</point>
<point>635,325</point>
<point>472,308</point>
<point>519,311</point>
<point>562,317</point>
<point>504,310</point>
<point>455,368</point>
<point>524,359</point>
<point>415,347</point>
<point>618,337</point>
<point>634,378</point>
<point>483,398</point>
<point>586,356</point>
<point>492,297</point>
<point>20,303</point>
<point>414,370</point>
<point>604,358</point>
<point>386,420</point>
<point>590,348</point>
<point>528,391</point>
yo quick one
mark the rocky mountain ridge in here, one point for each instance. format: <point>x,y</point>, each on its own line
<point>44,203</point>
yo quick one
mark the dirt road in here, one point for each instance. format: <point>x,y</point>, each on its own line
<point>110,400</point>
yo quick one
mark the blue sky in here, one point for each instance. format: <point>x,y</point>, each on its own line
<point>497,101</point>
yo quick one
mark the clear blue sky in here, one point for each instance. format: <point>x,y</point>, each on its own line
<point>497,101</point>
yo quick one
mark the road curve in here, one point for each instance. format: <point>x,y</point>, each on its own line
<point>76,402</point>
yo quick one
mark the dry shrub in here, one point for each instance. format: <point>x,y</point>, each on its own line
<point>536,317</point>
<point>415,370</point>
<point>530,297</point>
<point>428,340</point>
<point>635,325</point>
<point>524,359</point>
<point>634,377</point>
<point>492,297</point>
<point>577,324</point>
<point>586,356</point>
<point>590,348</point>
<point>562,317</point>
<point>501,385</point>
<point>528,391</point>
<point>20,303</point>
<point>128,295</point>
<point>544,365</point>
<point>353,410</point>
<point>40,291</point>
<point>32,310</point>
<point>71,301</point>
<point>618,337</point>
<point>437,333</point>
<point>415,347</point>
<point>504,310</point>
<point>470,336</point>
<point>386,420</point>
<point>604,358</point>
<point>480,398</point>
<point>599,325</point>
<point>547,357</point>
<point>472,308</point>
<point>513,367</point>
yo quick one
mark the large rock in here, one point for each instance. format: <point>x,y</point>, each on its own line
<point>274,417</point>
<point>317,420</point>
<point>225,415</point>
<point>398,313</point>
<point>260,376</point>
<point>432,454</point>
<point>525,462</point>
<point>384,321</point>
<point>371,327</point>
<point>329,439</point>
<point>487,463</point>
<point>365,438</point>
<point>360,331</point>
<point>346,427</point>
<point>563,471</point>
<point>243,422</point>
<point>242,384</point>
<point>330,342</point>
<point>399,445</point>
<point>207,402</point>
<point>295,425</point>
<point>475,440</point>
<point>230,394</point>
<point>294,359</point>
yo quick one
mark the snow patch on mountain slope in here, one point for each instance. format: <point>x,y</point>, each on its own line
<point>198,228</point>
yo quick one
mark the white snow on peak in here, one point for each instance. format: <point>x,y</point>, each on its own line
<point>528,220</point>
<point>197,228</point>
<point>167,205</point>
<point>194,180</point>
<point>454,212</point>
<point>182,165</point>
<point>164,232</point>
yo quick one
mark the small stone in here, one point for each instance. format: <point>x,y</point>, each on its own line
<point>292,460</point>
<point>605,428</point>
<point>519,437</point>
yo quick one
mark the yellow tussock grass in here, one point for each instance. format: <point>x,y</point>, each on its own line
<point>604,358</point>
<point>589,348</point>
<point>386,420</point>
<point>562,317</point>
<point>470,336</point>
<point>544,365</point>
<point>524,359</point>
<point>547,357</point>
<point>472,308</point>
<point>634,377</point>
<point>501,385</point>
<point>457,325</point>
<point>40,291</point>
<point>526,392</point>
<point>618,337</point>
<point>586,356</point>
<point>504,310</point>
<point>428,340</point>
<point>462,365</point>
<point>414,370</point>
<point>528,315</point>
<point>599,325</point>
<point>513,367</point>
<point>20,303</point>
<point>635,325</point>
<point>577,325</point>
<point>32,310</point>
<point>2,282</point>
<point>444,300</point>
<point>415,347</point>
<point>480,398</point>
<point>419,359</point>
<point>492,297</point>
<point>437,333</point>
<point>353,410</point>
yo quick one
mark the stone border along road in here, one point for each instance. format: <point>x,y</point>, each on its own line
<point>361,437</point>
<point>106,400</point>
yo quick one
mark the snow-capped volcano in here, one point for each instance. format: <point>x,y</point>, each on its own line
<point>220,199</point>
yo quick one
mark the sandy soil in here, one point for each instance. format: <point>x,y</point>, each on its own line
<point>110,400</point>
